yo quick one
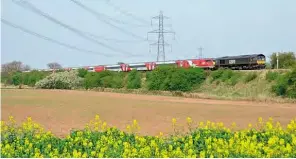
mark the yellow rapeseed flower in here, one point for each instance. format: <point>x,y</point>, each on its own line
<point>189,120</point>
<point>174,121</point>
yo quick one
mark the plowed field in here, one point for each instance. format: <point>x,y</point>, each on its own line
<point>60,110</point>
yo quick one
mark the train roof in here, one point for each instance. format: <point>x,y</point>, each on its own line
<point>240,56</point>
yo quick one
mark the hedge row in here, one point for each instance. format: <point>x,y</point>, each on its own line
<point>175,79</point>
<point>26,78</point>
<point>162,78</point>
<point>105,79</point>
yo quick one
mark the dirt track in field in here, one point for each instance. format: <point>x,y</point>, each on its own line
<point>60,110</point>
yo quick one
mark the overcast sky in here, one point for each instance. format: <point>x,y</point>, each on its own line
<point>228,27</point>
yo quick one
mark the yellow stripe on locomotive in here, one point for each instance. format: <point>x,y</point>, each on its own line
<point>260,62</point>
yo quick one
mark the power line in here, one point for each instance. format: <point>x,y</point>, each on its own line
<point>99,17</point>
<point>115,20</point>
<point>113,40</point>
<point>127,14</point>
<point>160,31</point>
<point>28,5</point>
<point>50,40</point>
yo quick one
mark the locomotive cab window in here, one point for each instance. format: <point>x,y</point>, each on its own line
<point>261,58</point>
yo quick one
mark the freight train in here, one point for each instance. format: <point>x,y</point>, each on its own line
<point>241,62</point>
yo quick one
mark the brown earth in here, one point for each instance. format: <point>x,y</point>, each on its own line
<point>61,110</point>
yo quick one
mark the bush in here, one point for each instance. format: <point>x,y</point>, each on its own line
<point>175,79</point>
<point>216,74</point>
<point>178,81</point>
<point>82,72</point>
<point>157,77</point>
<point>134,80</point>
<point>26,78</point>
<point>286,85</point>
<point>105,79</point>
<point>228,76</point>
<point>17,78</point>
<point>61,80</point>
<point>91,80</point>
<point>271,76</point>
<point>250,77</point>
<point>30,78</point>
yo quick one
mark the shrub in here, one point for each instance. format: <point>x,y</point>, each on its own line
<point>157,77</point>
<point>105,79</point>
<point>280,88</point>
<point>228,76</point>
<point>91,80</point>
<point>30,78</point>
<point>271,76</point>
<point>61,80</point>
<point>175,79</point>
<point>82,72</point>
<point>217,74</point>
<point>178,81</point>
<point>26,78</point>
<point>195,75</point>
<point>250,77</point>
<point>134,80</point>
<point>286,85</point>
<point>17,78</point>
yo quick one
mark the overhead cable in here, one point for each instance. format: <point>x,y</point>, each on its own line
<point>28,5</point>
<point>127,13</point>
<point>99,17</point>
<point>51,40</point>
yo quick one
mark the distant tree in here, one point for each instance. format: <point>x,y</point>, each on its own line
<point>14,66</point>
<point>54,65</point>
<point>10,72</point>
<point>286,60</point>
<point>26,68</point>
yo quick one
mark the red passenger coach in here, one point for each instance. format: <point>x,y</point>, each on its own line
<point>183,63</point>
<point>150,66</point>
<point>99,68</point>
<point>204,63</point>
<point>125,67</point>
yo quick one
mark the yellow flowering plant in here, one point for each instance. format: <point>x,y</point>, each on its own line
<point>208,139</point>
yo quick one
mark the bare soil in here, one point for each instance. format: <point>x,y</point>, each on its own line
<point>61,110</point>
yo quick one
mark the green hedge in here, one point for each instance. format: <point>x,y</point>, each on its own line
<point>175,79</point>
<point>26,78</point>
<point>286,85</point>
<point>105,79</point>
<point>134,80</point>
